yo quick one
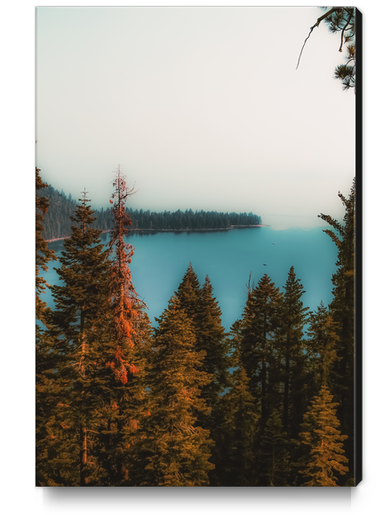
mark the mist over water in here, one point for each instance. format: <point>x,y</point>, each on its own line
<point>160,261</point>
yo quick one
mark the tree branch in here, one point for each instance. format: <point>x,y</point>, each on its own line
<point>318,21</point>
<point>343,32</point>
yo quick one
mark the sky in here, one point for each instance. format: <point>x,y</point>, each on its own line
<point>203,108</point>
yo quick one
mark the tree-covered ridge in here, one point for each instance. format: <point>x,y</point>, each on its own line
<point>270,403</point>
<point>57,223</point>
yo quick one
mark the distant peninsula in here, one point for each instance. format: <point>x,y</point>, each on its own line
<point>58,224</point>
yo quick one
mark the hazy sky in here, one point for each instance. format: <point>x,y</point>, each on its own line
<point>202,107</point>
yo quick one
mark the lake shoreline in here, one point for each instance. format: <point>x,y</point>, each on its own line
<point>155,231</point>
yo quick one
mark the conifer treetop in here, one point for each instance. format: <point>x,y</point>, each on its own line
<point>320,434</point>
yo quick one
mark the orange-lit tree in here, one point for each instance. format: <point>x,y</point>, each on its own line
<point>322,454</point>
<point>122,354</point>
<point>124,302</point>
<point>177,449</point>
<point>203,311</point>
<point>45,364</point>
<point>189,293</point>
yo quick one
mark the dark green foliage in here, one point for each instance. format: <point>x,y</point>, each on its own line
<point>210,337</point>
<point>238,420</point>
<point>274,454</point>
<point>191,220</point>
<point>291,331</point>
<point>322,347</point>
<point>57,223</point>
<point>189,405</point>
<point>56,444</point>
<point>342,309</point>
<point>342,20</point>
<point>84,276</point>
<point>42,254</point>
<point>258,345</point>
<point>81,301</point>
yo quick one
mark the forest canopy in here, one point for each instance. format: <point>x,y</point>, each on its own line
<point>119,403</point>
<point>57,223</point>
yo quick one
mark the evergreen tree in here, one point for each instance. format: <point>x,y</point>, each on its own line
<point>274,454</point>
<point>45,384</point>
<point>177,449</point>
<point>189,293</point>
<point>258,345</point>
<point>203,311</point>
<point>238,420</point>
<point>210,336</point>
<point>322,454</point>
<point>292,321</point>
<point>123,353</point>
<point>322,348</point>
<point>42,254</point>
<point>343,20</point>
<point>342,309</point>
<point>80,300</point>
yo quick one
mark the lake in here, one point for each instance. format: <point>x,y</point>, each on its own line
<point>160,261</point>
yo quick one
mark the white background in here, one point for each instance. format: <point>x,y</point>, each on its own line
<point>17,294</point>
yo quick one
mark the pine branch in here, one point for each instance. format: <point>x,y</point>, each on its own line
<point>318,21</point>
<point>343,32</point>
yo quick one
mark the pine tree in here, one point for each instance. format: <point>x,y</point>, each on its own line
<point>322,347</point>
<point>189,293</point>
<point>125,305</point>
<point>291,329</point>
<point>204,313</point>
<point>80,300</point>
<point>202,309</point>
<point>42,254</point>
<point>258,345</point>
<point>177,449</point>
<point>323,460</point>
<point>342,309</point>
<point>45,384</point>
<point>238,421</point>
<point>274,455</point>
<point>122,355</point>
<point>210,337</point>
<point>343,20</point>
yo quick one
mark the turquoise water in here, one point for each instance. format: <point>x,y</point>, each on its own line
<point>160,261</point>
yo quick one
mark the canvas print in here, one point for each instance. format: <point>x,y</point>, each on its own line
<point>198,233</point>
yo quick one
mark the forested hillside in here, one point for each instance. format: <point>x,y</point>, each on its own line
<point>57,223</point>
<point>118,403</point>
